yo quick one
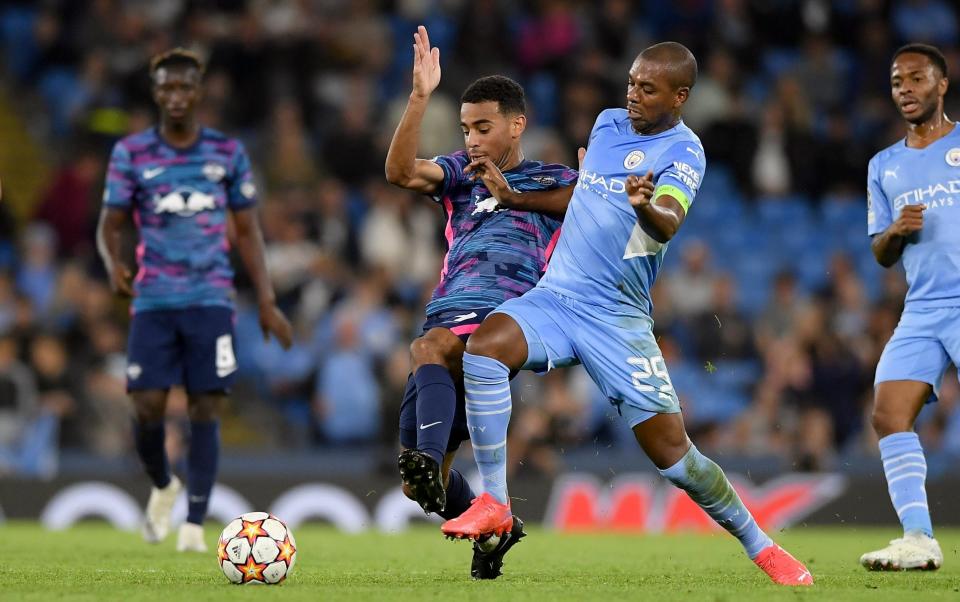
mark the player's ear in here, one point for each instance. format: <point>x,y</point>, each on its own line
<point>683,93</point>
<point>517,125</point>
<point>943,85</point>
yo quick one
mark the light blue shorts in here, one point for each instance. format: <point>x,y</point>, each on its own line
<point>619,352</point>
<point>921,348</point>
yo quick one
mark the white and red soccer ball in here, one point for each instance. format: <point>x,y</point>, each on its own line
<point>256,548</point>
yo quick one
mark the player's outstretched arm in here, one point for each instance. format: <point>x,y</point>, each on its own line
<point>660,217</point>
<point>250,247</point>
<point>888,246</point>
<point>109,229</point>
<point>403,168</point>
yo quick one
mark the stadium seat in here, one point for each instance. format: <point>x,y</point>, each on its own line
<point>777,211</point>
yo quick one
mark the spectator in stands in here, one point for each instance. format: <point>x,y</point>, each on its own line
<point>347,402</point>
<point>691,288</point>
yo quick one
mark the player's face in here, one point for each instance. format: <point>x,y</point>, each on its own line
<point>652,99</point>
<point>916,86</point>
<point>176,91</point>
<point>489,133</point>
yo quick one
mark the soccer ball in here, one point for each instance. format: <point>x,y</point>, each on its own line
<point>256,548</point>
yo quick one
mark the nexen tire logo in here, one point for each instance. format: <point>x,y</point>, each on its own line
<point>643,503</point>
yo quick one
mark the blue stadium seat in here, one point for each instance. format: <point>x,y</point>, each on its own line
<point>754,275</point>
<point>18,39</point>
<point>777,61</point>
<point>784,210</point>
<point>792,240</point>
<point>871,273</point>
<point>836,210</point>
<point>703,397</point>
<point>739,375</point>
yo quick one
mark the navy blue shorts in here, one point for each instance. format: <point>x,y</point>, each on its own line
<point>463,323</point>
<point>192,347</point>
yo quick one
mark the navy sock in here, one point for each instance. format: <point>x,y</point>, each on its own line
<point>459,496</point>
<point>201,468</point>
<point>149,438</point>
<point>436,405</point>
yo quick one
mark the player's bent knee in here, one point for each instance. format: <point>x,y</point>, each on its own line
<point>207,406</point>
<point>424,351</point>
<point>149,406</point>
<point>499,338</point>
<point>886,422</point>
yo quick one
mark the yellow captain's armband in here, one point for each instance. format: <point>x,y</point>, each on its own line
<point>675,192</point>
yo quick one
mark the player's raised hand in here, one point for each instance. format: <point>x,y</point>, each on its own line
<point>492,177</point>
<point>272,321</point>
<point>910,220</point>
<point>426,64</point>
<point>120,280</point>
<point>640,190</point>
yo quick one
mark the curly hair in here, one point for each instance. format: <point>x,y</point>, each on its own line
<point>500,89</point>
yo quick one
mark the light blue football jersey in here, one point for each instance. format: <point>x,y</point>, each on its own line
<point>603,257</point>
<point>898,176</point>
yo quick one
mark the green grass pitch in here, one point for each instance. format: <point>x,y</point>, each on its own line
<point>94,562</point>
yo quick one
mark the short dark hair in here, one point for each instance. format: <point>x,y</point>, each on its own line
<point>500,89</point>
<point>931,52</point>
<point>177,57</point>
<point>679,60</point>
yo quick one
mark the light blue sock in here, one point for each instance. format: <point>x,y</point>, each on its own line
<point>488,405</point>
<point>706,485</point>
<point>906,471</point>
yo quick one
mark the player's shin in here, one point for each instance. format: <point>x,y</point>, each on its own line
<point>488,405</point>
<point>906,470</point>
<point>436,405</point>
<point>149,438</point>
<point>202,459</point>
<point>706,485</point>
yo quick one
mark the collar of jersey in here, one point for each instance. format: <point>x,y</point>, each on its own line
<point>956,130</point>
<point>177,149</point>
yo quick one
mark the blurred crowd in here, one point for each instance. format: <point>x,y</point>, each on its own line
<point>770,311</point>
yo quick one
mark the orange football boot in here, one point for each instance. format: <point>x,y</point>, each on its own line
<point>484,516</point>
<point>782,568</point>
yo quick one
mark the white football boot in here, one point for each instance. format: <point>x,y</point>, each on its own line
<point>912,551</point>
<point>190,538</point>
<point>157,523</point>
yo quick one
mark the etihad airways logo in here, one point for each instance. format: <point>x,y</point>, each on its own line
<point>932,196</point>
<point>604,186</point>
<point>592,180</point>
